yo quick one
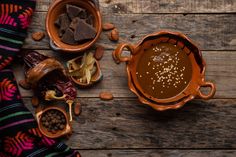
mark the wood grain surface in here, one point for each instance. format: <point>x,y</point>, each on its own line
<point>124,127</point>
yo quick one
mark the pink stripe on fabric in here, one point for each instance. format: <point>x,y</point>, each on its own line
<point>16,123</point>
<point>8,19</point>
<point>9,48</point>
<point>11,22</point>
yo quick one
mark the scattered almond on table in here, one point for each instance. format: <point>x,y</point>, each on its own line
<point>99,52</point>
<point>37,36</point>
<point>35,101</point>
<point>24,84</point>
<point>114,35</point>
<point>108,26</point>
<point>106,96</point>
<point>77,108</point>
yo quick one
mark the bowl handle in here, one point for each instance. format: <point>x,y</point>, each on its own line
<point>210,94</point>
<point>117,53</point>
<point>53,46</point>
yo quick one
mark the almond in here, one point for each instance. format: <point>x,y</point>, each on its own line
<point>24,84</point>
<point>99,52</point>
<point>77,108</point>
<point>106,96</point>
<point>108,26</point>
<point>37,36</point>
<point>114,35</point>
<point>35,101</point>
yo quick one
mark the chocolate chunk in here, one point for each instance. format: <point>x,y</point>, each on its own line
<point>83,14</point>
<point>68,37</point>
<point>90,20</point>
<point>57,22</point>
<point>64,23</point>
<point>74,23</point>
<point>73,11</point>
<point>84,31</point>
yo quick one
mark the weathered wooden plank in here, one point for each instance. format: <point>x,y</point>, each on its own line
<point>128,124</point>
<point>160,6</point>
<point>158,153</point>
<point>209,31</point>
<point>220,69</point>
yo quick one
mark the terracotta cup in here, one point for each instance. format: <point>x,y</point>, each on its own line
<point>194,55</point>
<point>67,130</point>
<point>57,8</point>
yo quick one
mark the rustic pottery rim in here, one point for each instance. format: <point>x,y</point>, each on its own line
<point>146,99</point>
<point>58,45</point>
<point>40,111</point>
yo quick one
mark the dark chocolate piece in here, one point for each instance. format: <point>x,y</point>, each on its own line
<point>64,23</point>
<point>68,37</point>
<point>58,23</point>
<point>74,22</point>
<point>90,20</point>
<point>73,11</point>
<point>84,31</point>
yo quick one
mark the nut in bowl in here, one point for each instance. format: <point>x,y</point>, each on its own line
<point>53,122</point>
<point>85,71</point>
<point>73,26</point>
<point>165,70</point>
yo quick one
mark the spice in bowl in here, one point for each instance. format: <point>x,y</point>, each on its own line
<point>164,71</point>
<point>76,26</point>
<point>53,121</point>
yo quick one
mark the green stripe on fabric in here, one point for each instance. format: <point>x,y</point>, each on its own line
<point>11,40</point>
<point>10,106</point>
<point>53,154</point>
<point>13,115</point>
<point>12,32</point>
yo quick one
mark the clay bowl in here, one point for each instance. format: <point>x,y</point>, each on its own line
<point>67,130</point>
<point>58,7</point>
<point>45,67</point>
<point>98,76</point>
<point>191,91</point>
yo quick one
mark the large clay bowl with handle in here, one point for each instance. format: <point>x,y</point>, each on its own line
<point>191,91</point>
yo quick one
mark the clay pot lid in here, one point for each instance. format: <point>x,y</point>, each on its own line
<point>66,131</point>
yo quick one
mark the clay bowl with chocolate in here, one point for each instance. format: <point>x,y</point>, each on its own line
<point>165,70</point>
<point>96,77</point>
<point>57,8</point>
<point>63,131</point>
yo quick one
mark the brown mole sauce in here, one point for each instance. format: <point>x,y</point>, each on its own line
<point>164,71</point>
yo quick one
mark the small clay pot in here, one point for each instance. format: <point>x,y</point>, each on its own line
<point>98,76</point>
<point>194,55</point>
<point>57,8</point>
<point>67,130</point>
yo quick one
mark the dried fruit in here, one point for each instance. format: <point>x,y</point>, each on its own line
<point>114,35</point>
<point>35,101</point>
<point>106,96</point>
<point>85,70</point>
<point>108,26</point>
<point>37,36</point>
<point>99,52</point>
<point>77,108</point>
<point>24,84</point>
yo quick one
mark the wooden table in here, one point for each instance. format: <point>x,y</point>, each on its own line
<point>126,128</point>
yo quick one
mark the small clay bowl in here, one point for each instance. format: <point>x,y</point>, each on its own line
<point>67,130</point>
<point>98,76</point>
<point>194,55</point>
<point>57,8</point>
